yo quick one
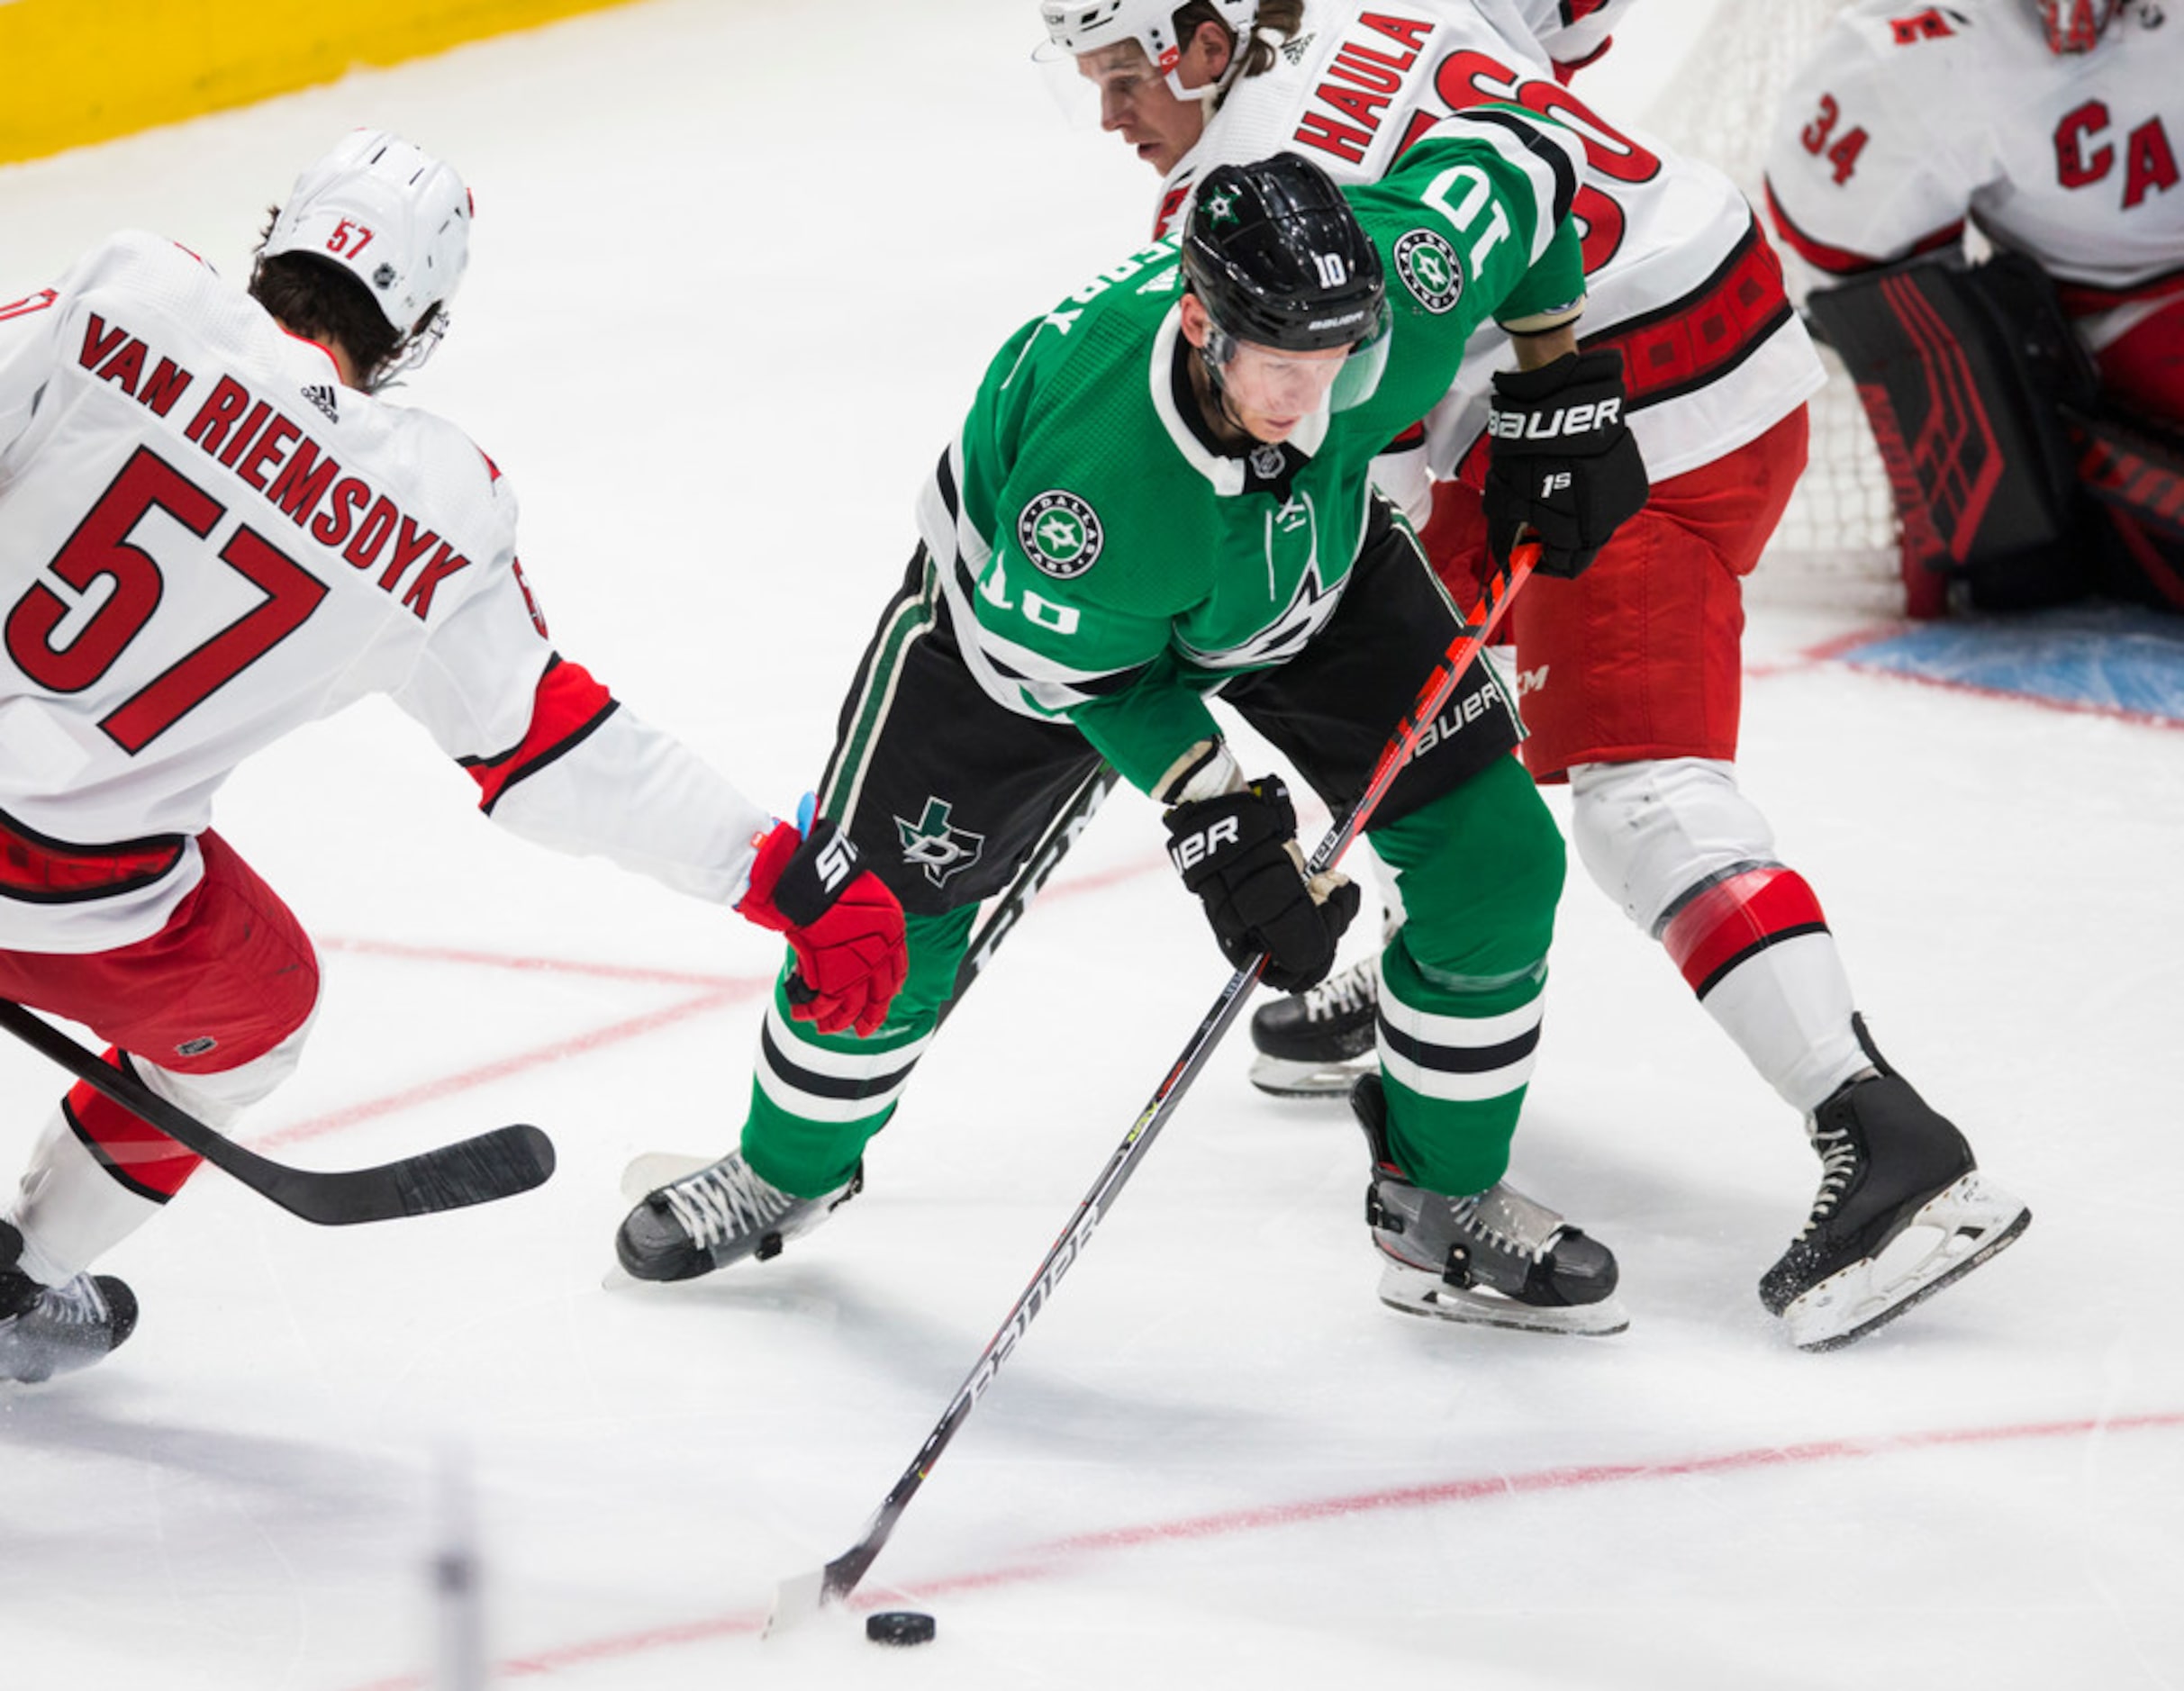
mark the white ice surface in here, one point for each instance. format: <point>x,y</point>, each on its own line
<point>1216,1462</point>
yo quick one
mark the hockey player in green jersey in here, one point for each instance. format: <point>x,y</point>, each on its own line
<point>1160,496</point>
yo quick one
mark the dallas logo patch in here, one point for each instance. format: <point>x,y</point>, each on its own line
<point>934,845</point>
<point>1060,534</point>
<point>1429,268</point>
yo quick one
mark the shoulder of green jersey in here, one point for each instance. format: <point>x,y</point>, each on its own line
<point>1547,156</point>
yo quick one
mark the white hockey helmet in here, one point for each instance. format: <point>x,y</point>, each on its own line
<point>396,219</point>
<point>2075,26</point>
<point>1085,26</point>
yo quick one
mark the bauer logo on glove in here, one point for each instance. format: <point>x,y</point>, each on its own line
<point>1188,850</point>
<point>1570,421</point>
<point>1238,853</point>
<point>1561,461</point>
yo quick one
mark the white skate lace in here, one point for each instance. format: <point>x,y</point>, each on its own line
<point>77,1303</point>
<point>1509,1222</point>
<point>1356,988</point>
<point>1838,1162</point>
<point>716,1204</point>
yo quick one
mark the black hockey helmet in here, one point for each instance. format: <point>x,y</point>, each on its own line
<point>1276,256</point>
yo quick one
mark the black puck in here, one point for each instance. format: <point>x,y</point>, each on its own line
<point>899,1626</point>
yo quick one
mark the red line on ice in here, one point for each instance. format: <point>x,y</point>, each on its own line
<point>717,991</point>
<point>1042,1562</point>
<point>463,1081</point>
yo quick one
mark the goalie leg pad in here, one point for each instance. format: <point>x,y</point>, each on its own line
<point>1963,374</point>
<point>2136,479</point>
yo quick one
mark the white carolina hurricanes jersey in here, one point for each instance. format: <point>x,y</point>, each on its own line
<point>1680,278</point>
<point>1908,121</point>
<point>1572,33</point>
<point>205,541</point>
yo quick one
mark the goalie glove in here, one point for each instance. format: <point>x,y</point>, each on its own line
<point>1238,853</point>
<point>1561,461</point>
<point>843,925</point>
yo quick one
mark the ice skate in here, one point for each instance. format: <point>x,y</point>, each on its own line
<point>1316,1043</point>
<point>1902,1211</point>
<point>49,1330</point>
<point>720,1215</point>
<point>1495,1258</point>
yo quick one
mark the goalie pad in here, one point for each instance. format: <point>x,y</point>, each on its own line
<point>2135,470</point>
<point>1963,374</point>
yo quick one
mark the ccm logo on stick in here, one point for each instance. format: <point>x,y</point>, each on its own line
<point>1574,420</point>
<point>1194,848</point>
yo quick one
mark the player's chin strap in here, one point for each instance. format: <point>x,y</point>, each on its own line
<point>411,351</point>
<point>1211,95</point>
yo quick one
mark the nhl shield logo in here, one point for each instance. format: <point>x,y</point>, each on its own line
<point>1060,534</point>
<point>1430,270</point>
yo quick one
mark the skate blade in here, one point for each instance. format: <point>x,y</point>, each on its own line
<point>1414,1292</point>
<point>1280,1077</point>
<point>655,1169</point>
<point>1953,1233</point>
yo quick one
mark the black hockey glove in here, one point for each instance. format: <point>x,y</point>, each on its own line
<point>1238,853</point>
<point>1560,460</point>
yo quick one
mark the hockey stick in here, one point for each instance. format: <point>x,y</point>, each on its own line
<point>492,1165</point>
<point>1046,857</point>
<point>652,1169</point>
<point>804,1593</point>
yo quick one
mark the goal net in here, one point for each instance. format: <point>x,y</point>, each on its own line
<point>1837,545</point>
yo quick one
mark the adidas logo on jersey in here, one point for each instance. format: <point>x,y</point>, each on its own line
<point>322,397</point>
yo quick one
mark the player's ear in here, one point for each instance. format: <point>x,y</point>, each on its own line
<point>1215,45</point>
<point>1196,324</point>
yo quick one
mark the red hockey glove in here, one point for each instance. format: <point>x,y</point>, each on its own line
<point>1560,460</point>
<point>844,925</point>
<point>1238,853</point>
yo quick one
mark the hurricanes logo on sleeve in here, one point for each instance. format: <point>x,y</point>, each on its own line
<point>1060,534</point>
<point>1430,270</point>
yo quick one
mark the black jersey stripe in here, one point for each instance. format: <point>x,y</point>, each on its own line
<point>1460,1059</point>
<point>1528,137</point>
<point>813,1084</point>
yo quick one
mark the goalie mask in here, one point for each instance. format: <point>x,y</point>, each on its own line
<point>1277,257</point>
<point>2075,26</point>
<point>1075,27</point>
<point>393,217</point>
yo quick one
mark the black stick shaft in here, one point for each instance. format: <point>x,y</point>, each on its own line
<point>476,1170</point>
<point>1039,868</point>
<point>843,1573</point>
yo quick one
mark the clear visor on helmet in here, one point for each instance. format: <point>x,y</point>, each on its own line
<point>1308,380</point>
<point>1083,86</point>
<point>1367,363</point>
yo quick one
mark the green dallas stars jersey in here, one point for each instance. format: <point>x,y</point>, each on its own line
<point>1102,563</point>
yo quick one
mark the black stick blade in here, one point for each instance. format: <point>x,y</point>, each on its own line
<point>493,1165</point>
